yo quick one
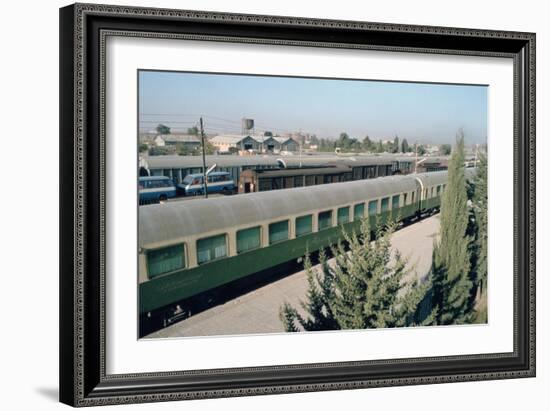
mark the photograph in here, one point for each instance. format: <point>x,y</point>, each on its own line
<point>284,204</point>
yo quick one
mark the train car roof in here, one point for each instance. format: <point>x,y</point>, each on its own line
<point>440,177</point>
<point>159,224</point>
<point>432,178</point>
<point>297,171</point>
<point>176,161</point>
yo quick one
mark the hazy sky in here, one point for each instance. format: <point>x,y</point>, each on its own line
<point>428,113</point>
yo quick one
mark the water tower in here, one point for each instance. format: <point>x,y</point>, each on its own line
<point>247,126</point>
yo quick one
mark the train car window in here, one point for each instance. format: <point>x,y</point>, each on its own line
<point>211,248</point>
<point>432,194</point>
<point>358,211</point>
<point>299,181</point>
<point>165,260</point>
<point>385,204</point>
<point>371,172</point>
<point>304,225</point>
<point>248,239</point>
<point>310,180</point>
<point>325,220</point>
<point>343,215</point>
<point>373,207</point>
<point>265,184</point>
<point>438,190</point>
<point>276,183</point>
<point>404,198</point>
<point>318,180</point>
<point>278,232</point>
<point>395,202</point>
<point>412,197</point>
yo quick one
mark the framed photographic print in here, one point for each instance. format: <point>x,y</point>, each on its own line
<point>262,204</point>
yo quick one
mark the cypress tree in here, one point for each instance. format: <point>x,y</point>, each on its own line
<point>405,146</point>
<point>363,287</point>
<point>480,202</point>
<point>451,255</point>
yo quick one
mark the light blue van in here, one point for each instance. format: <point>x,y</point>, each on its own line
<point>155,189</point>
<point>219,181</point>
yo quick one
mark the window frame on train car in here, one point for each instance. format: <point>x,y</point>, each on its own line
<point>347,216</point>
<point>208,238</point>
<point>369,208</point>
<point>405,199</point>
<point>265,184</point>
<point>296,235</point>
<point>311,179</point>
<point>387,201</point>
<point>413,195</point>
<point>330,212</point>
<point>355,207</point>
<point>393,198</point>
<point>271,242</point>
<point>184,256</point>
<point>260,235</point>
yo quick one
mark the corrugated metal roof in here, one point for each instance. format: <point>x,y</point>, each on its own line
<point>181,138</point>
<point>174,161</point>
<point>163,222</point>
<point>227,139</point>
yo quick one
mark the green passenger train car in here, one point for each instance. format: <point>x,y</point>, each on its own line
<point>189,248</point>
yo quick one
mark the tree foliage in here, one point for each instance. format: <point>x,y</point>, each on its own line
<point>478,232</point>
<point>451,255</point>
<point>363,287</point>
<point>405,146</point>
<point>445,149</point>
<point>480,203</point>
<point>395,147</point>
<point>194,131</point>
<point>162,129</point>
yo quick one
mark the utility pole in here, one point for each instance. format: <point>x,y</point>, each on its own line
<point>204,176</point>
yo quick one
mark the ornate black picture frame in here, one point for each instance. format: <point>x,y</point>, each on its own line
<point>83,30</point>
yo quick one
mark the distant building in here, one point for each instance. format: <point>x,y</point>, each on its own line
<point>191,142</point>
<point>271,145</point>
<point>288,144</point>
<point>227,141</point>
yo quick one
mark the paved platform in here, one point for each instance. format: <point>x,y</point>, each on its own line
<point>257,312</point>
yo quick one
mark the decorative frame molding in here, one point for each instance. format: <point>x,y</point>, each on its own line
<point>83,32</point>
